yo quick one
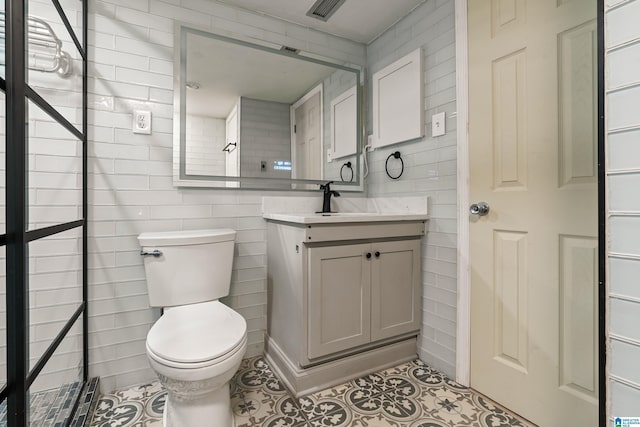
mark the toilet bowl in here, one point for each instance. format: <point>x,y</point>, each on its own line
<point>196,347</point>
<point>195,350</point>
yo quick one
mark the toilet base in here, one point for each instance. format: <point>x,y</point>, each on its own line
<point>209,409</point>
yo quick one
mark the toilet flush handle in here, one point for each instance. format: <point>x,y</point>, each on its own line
<point>154,253</point>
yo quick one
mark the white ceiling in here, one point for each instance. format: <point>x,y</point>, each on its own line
<point>358,20</point>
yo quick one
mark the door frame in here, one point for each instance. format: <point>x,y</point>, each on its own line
<point>463,321</point>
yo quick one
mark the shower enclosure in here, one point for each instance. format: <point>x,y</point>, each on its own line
<point>43,217</point>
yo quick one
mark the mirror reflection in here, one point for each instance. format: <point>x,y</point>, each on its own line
<point>251,116</point>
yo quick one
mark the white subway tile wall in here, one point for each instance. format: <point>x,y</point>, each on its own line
<point>264,125</point>
<point>623,166</point>
<point>55,263</point>
<point>430,168</point>
<point>206,139</point>
<point>64,93</point>
<point>130,182</point>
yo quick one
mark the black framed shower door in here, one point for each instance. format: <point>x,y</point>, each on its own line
<point>25,40</point>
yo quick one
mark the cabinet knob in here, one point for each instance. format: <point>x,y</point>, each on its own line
<point>377,254</point>
<point>368,255</point>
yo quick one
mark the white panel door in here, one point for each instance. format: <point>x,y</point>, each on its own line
<point>308,143</point>
<point>533,139</point>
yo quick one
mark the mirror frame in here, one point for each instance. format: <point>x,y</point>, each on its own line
<point>182,179</point>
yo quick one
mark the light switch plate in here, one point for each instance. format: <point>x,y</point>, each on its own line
<point>142,122</point>
<point>438,124</point>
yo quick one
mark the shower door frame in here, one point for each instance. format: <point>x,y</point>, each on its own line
<point>18,236</point>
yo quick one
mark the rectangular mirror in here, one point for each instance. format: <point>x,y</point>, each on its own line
<point>252,116</point>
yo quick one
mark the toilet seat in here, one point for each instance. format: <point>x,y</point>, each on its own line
<point>196,335</point>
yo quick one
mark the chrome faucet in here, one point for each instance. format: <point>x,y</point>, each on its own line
<point>328,192</point>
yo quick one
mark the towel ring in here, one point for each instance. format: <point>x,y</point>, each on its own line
<point>347,165</point>
<point>395,155</point>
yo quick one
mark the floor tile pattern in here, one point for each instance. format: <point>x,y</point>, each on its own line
<point>139,406</point>
<point>51,408</point>
<point>86,406</point>
<point>408,395</point>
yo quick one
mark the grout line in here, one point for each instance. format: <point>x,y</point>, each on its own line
<point>624,298</point>
<point>618,5</point>
<point>623,381</point>
<point>630,257</point>
<point>623,339</point>
<point>614,172</point>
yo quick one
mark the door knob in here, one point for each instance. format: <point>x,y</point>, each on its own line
<point>480,209</point>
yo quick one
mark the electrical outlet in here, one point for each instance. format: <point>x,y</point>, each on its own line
<point>438,124</point>
<point>142,122</point>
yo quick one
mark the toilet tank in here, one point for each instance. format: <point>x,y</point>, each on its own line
<point>189,266</point>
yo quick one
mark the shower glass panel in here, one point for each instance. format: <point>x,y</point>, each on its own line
<point>54,68</point>
<point>3,252</point>
<point>44,262</point>
<point>73,10</point>
<point>55,288</point>
<point>2,55</point>
<point>55,171</point>
<point>52,396</point>
<point>3,321</point>
<point>3,114</point>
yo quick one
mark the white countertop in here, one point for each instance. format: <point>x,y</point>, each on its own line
<point>344,217</point>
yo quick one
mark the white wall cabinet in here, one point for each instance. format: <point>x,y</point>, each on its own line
<point>344,124</point>
<point>398,101</point>
<point>344,300</point>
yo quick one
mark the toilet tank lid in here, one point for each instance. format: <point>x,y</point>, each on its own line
<point>186,237</point>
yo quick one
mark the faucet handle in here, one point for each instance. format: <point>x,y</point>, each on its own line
<point>327,186</point>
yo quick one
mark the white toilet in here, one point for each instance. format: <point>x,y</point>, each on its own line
<point>197,345</point>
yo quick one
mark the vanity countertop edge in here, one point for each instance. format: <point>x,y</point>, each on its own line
<point>344,217</point>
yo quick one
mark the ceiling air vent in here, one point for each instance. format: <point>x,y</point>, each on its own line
<point>323,9</point>
<point>290,49</point>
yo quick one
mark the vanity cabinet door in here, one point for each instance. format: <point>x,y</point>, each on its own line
<point>339,299</point>
<point>395,288</point>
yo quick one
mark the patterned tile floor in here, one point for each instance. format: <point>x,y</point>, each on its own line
<point>408,395</point>
<point>51,408</point>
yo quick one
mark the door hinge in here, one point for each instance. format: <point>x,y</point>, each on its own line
<point>295,128</point>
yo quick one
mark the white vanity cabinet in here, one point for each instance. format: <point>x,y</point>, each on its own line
<point>361,293</point>
<point>344,298</point>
